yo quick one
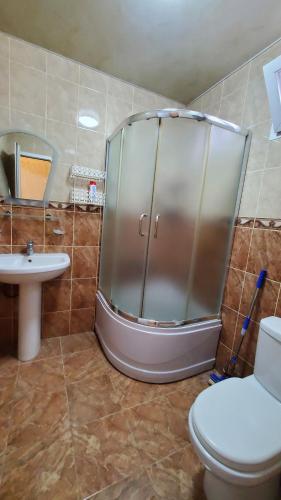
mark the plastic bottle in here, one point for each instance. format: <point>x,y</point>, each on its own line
<point>92,190</point>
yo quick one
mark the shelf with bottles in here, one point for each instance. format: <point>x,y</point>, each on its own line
<point>86,173</point>
<point>82,195</point>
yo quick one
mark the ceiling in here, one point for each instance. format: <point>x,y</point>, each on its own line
<point>178,48</point>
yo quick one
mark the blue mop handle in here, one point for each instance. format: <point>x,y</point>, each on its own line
<point>260,281</point>
<point>261,278</point>
<point>259,284</point>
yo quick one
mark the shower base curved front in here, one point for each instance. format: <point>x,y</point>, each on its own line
<point>153,354</point>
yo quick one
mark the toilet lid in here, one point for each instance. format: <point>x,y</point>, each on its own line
<point>239,423</point>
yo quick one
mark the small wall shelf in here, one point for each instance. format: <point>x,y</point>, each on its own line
<point>78,195</point>
<point>90,174</point>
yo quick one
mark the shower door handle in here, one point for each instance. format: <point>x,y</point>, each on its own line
<point>156,225</point>
<point>143,216</point>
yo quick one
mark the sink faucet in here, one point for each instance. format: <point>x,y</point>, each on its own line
<point>29,248</point>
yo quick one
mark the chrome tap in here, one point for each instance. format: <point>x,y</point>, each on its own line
<point>29,248</point>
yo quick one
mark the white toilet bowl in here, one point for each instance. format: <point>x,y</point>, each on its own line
<point>235,427</point>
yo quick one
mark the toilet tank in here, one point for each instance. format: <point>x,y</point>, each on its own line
<point>268,356</point>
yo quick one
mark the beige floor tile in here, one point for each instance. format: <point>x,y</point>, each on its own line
<point>44,375</point>
<point>78,342</point>
<point>8,365</point>
<point>137,487</point>
<point>91,400</point>
<point>84,366</point>
<point>105,452</point>
<point>37,417</point>
<point>7,388</point>
<point>178,477</point>
<point>119,427</point>
<point>45,471</point>
<point>49,348</point>
<point>159,428</point>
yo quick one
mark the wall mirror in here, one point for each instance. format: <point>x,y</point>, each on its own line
<point>27,165</point>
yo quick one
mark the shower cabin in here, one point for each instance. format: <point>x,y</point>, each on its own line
<point>173,186</point>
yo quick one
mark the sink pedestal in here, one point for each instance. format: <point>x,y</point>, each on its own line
<point>29,337</point>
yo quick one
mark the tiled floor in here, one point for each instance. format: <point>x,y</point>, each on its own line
<point>72,427</point>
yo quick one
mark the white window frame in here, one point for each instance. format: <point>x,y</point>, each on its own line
<point>272,76</point>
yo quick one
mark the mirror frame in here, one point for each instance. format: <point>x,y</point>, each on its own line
<point>46,199</point>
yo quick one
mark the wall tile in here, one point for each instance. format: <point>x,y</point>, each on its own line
<point>91,148</point>
<point>250,194</point>
<point>259,146</point>
<point>4,82</point>
<point>82,320</point>
<point>63,137</point>
<point>231,107</point>
<point>85,262</point>
<point>269,204</point>
<point>4,116</point>
<point>28,89</point>
<point>240,248</point>
<point>93,79</point>
<point>62,98</point>
<point>63,223</point>
<point>256,107</point>
<point>237,80</point>
<point>278,306</point>
<point>267,299</point>
<point>143,101</point>
<point>55,324</point>
<point>86,229</point>
<point>62,67</point>
<point>229,319</point>
<point>265,253</point>
<point>60,190</point>
<point>119,89</point>
<point>25,227</point>
<point>222,357</point>
<point>91,110</point>
<point>274,154</point>
<point>5,226</point>
<point>248,349</point>
<point>233,288</point>
<point>28,54</point>
<point>6,334</point>
<point>56,295</point>
<point>4,45</point>
<point>83,293</point>
<point>211,100</point>
<point>28,122</point>
<point>117,111</point>
<point>6,302</point>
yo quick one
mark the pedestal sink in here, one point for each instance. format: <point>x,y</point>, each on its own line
<point>29,271</point>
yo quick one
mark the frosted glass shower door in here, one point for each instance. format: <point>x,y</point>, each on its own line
<point>222,178</point>
<point>176,204</point>
<point>135,188</point>
<point>109,220</point>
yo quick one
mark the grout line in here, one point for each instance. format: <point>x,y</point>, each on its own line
<point>278,297</point>
<point>9,84</point>
<point>70,424</point>
<point>245,97</point>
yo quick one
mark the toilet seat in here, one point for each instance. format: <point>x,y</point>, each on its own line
<point>237,423</point>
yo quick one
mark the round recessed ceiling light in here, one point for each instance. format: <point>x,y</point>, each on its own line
<point>88,121</point>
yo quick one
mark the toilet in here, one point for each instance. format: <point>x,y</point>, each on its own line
<point>235,427</point>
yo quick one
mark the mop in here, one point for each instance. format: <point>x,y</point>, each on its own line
<point>229,368</point>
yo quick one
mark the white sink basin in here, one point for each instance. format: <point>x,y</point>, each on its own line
<point>29,272</point>
<point>18,268</point>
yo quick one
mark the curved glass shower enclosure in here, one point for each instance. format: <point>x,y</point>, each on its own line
<point>173,182</point>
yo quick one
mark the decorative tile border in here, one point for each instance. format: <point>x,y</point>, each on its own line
<point>268,224</point>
